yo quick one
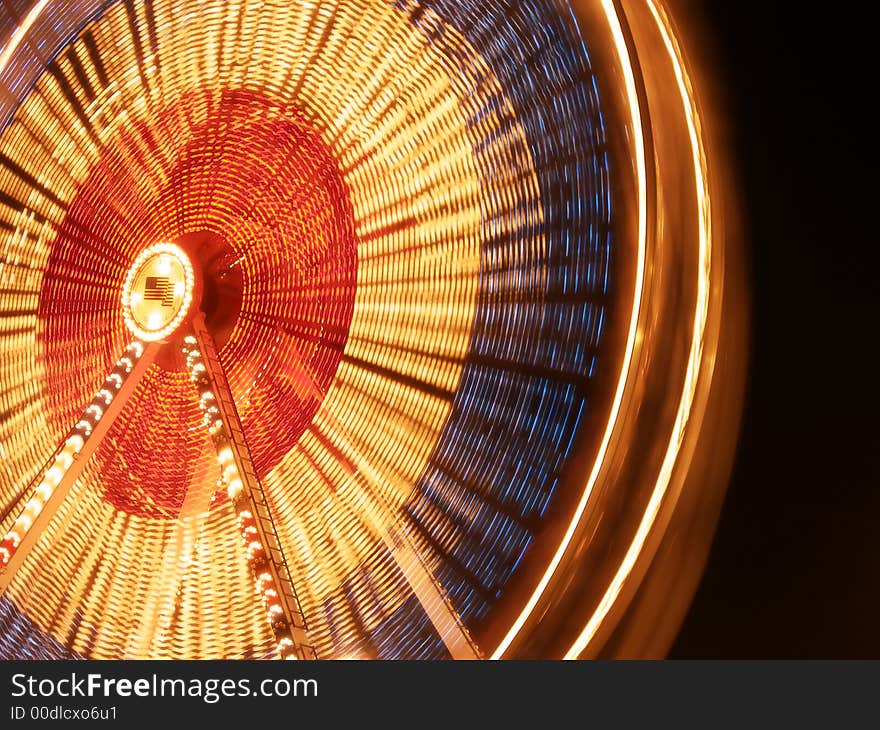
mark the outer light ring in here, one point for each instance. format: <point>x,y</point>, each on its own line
<point>179,254</point>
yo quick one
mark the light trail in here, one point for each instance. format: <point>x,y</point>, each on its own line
<point>696,349</point>
<point>19,33</point>
<point>639,145</point>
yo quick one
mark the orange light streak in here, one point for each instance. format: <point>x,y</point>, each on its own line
<point>695,359</point>
<point>635,127</point>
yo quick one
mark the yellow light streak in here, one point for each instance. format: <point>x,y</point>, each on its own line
<point>19,33</point>
<point>696,349</point>
<point>642,213</point>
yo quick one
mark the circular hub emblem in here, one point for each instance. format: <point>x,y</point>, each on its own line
<point>157,292</point>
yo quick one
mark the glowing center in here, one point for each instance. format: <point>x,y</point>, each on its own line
<point>157,292</point>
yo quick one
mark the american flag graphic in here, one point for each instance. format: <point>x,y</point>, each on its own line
<point>159,289</point>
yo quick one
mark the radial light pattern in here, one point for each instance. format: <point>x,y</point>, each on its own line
<point>409,205</point>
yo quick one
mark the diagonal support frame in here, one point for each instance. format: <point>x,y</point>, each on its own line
<point>265,554</point>
<point>71,458</point>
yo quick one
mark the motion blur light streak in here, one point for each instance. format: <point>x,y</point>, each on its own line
<point>464,304</point>
<point>696,351</point>
<point>20,32</point>
<point>635,125</point>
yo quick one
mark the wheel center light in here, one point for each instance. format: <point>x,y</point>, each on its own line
<point>157,292</point>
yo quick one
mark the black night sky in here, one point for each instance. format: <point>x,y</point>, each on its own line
<point>795,568</point>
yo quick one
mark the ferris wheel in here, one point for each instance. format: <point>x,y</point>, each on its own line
<point>358,329</point>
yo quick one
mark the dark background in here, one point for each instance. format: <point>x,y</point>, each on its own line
<point>795,568</point>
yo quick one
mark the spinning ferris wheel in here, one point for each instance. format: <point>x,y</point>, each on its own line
<point>357,330</point>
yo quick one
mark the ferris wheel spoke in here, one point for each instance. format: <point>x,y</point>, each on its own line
<point>424,585</point>
<point>55,482</point>
<point>415,569</point>
<point>265,555</point>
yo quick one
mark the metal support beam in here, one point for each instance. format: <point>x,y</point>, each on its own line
<point>421,579</point>
<point>265,554</point>
<point>71,458</point>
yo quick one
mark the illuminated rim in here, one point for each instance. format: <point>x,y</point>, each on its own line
<point>695,355</point>
<point>167,327</point>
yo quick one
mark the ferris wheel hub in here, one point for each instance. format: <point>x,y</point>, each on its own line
<point>158,292</point>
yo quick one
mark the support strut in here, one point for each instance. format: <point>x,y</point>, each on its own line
<point>265,555</point>
<point>55,482</point>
